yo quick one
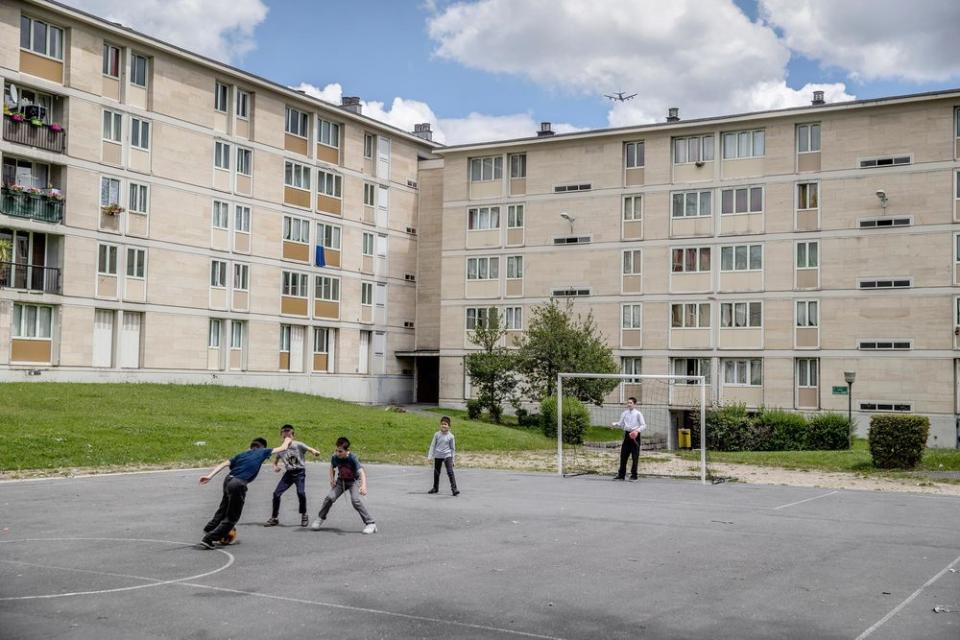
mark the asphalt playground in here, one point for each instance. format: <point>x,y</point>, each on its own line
<point>515,556</point>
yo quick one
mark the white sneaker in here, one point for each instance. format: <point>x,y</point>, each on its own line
<point>370,528</point>
<point>317,524</point>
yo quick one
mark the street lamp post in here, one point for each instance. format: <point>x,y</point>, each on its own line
<point>849,377</point>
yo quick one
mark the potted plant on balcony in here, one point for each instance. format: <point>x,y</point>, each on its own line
<point>6,250</point>
<point>112,209</point>
<point>54,194</point>
<point>55,127</point>
<point>17,117</point>
<point>37,122</point>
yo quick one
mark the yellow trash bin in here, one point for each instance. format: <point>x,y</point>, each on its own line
<point>683,438</point>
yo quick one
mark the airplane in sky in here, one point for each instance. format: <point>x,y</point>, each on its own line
<point>619,97</point>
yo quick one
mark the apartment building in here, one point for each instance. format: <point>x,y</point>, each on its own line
<point>169,218</point>
<point>770,252</point>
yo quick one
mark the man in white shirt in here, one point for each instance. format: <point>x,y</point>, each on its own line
<point>632,423</point>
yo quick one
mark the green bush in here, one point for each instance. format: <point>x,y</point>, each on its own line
<point>829,432</point>
<point>576,419</point>
<point>496,413</point>
<point>787,431</point>
<point>727,428</point>
<point>896,441</point>
<point>474,409</point>
<point>529,419</point>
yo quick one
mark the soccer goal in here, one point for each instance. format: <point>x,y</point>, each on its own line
<point>673,408</point>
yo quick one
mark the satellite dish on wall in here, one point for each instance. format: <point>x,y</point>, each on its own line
<point>14,94</point>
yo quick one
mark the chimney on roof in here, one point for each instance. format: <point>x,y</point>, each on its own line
<point>673,114</point>
<point>817,98</point>
<point>351,103</point>
<point>422,130</point>
<point>545,130</point>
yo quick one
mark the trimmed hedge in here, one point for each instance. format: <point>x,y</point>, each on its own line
<point>576,419</point>
<point>897,441</point>
<point>732,428</point>
<point>474,409</point>
<point>829,431</point>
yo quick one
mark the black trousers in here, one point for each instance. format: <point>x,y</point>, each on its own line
<point>440,462</point>
<point>290,478</point>
<point>228,513</point>
<point>629,449</point>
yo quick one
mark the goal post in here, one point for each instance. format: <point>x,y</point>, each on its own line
<point>673,406</point>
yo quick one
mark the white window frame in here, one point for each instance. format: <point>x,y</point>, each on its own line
<point>241,218</point>
<point>111,62</point>
<point>700,367</point>
<point>107,259</point>
<point>514,267</point>
<point>631,316</point>
<point>242,103</point>
<point>633,207</point>
<point>518,165</point>
<point>112,188</point>
<point>699,252</point>
<point>369,145</point>
<point>485,169</point>
<point>366,294</point>
<point>682,199</point>
<point>513,318</point>
<point>137,263</point>
<point>139,133</point>
<point>220,213</point>
<point>740,315</point>
<point>805,137</point>
<point>805,319</point>
<point>883,162</point>
<point>218,274</point>
<point>330,131</point>
<point>296,230</point>
<point>296,175</point>
<point>638,159</point>
<point>139,198</point>
<point>297,122</point>
<point>632,262</point>
<point>326,288</point>
<point>693,315</point>
<point>807,244</point>
<point>112,127</point>
<point>367,241</point>
<point>42,322</point>
<point>631,366</point>
<point>807,372</point>
<point>745,143</point>
<point>803,195</point>
<point>515,216</point>
<point>329,184</point>
<point>215,333</point>
<point>369,194</point>
<point>285,338</point>
<point>479,316</point>
<point>244,161</point>
<point>734,208</point>
<point>134,59</point>
<point>221,155</point>
<point>238,329</point>
<point>745,365</point>
<point>241,276</point>
<point>221,97</point>
<point>483,268</point>
<point>321,346</point>
<point>732,251</point>
<point>335,236</point>
<point>295,284</point>
<point>483,218</point>
<point>693,149</point>
<point>48,43</point>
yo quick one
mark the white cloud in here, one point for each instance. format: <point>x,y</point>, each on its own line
<point>873,39</point>
<point>403,113</point>
<point>220,29</point>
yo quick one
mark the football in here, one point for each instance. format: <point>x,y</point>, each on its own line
<point>229,538</point>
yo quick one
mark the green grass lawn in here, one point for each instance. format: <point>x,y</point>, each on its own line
<point>591,434</point>
<point>51,425</point>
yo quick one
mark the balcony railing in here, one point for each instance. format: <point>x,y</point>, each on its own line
<point>37,206</point>
<point>41,136</point>
<point>27,276</point>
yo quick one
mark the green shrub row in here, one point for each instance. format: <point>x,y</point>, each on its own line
<point>732,428</point>
<point>897,441</point>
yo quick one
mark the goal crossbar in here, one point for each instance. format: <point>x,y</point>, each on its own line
<point>698,380</point>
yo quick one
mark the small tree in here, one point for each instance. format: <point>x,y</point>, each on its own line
<point>491,370</point>
<point>557,341</point>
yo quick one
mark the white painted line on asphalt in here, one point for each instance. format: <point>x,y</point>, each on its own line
<point>824,495</point>
<point>102,475</point>
<point>909,599</point>
<point>394,614</point>
<point>151,582</point>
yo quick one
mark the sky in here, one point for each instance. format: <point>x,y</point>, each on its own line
<point>480,70</point>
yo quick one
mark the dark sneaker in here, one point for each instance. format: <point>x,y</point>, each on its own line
<point>618,478</point>
<point>272,522</point>
<point>455,492</point>
<point>434,490</point>
<point>205,544</point>
<point>634,478</point>
<point>304,520</point>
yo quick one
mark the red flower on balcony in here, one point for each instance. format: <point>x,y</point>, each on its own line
<point>55,127</point>
<point>17,117</point>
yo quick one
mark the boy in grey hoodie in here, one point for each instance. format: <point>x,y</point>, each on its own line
<point>442,449</point>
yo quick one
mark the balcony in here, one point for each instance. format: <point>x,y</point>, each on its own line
<point>45,205</point>
<point>34,133</point>
<point>29,277</point>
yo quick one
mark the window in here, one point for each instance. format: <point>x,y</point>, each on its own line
<point>691,204</point>
<point>32,321</point>
<point>109,192</point>
<point>631,262</point>
<point>514,216</point>
<point>885,283</point>
<point>295,284</point>
<point>111,60</point>
<point>218,273</point>
<point>741,257</point>
<point>221,214</point>
<point>112,123</point>
<point>887,161</point>
<point>741,315</point>
<point>807,372</point>
<point>138,70</point>
<point>743,373</point>
<point>743,144</point>
<point>692,149</point>
<point>241,277</point>
<point>139,133</point>
<point>808,138</point>
<point>369,194</point>
<point>572,240</point>
<point>691,260</point>
<point>885,223</point>
<point>284,338</point>
<point>631,316</point>
<point>807,257</point>
<point>366,293</point>
<point>328,236</point>
<point>381,245</point>
<point>690,315</point>
<point>241,218</point>
<point>328,184</point>
<point>693,367</point>
<point>631,365</point>
<point>514,267</point>
<point>298,122</point>
<point>518,165</point>
<point>632,208</point>
<point>243,104</point>
<point>479,316</point>
<point>570,293</point>
<point>741,200</point>
<point>483,268</point>
<point>633,154</point>
<point>321,340</point>
<point>481,218</point>
<point>213,337</point>
<point>40,37</point>
<point>513,319</point>
<point>107,260</point>
<point>296,230</point>
<point>236,334</point>
<point>296,175</point>
<point>244,161</point>
<point>221,155</point>
<point>327,288</point>
<point>136,262</point>
<point>367,244</point>
<point>139,198</point>
<point>221,97</point>
<point>808,313</point>
<point>369,145</point>
<point>808,195</point>
<point>572,187</point>
<point>886,406</point>
<point>328,133</point>
<point>486,169</point>
<point>885,345</point>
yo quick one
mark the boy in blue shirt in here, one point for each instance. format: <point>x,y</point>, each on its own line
<point>244,468</point>
<point>345,470</point>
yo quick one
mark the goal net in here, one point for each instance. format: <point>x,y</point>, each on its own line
<point>673,408</point>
